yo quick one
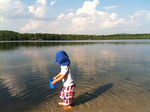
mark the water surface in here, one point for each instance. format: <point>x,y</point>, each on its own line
<point>111,75</point>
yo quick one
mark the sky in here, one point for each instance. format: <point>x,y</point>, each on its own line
<point>89,17</point>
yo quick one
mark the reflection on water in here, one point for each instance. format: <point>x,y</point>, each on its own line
<point>111,75</point>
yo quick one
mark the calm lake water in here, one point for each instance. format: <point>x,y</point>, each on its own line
<point>111,75</point>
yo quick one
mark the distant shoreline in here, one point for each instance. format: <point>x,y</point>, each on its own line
<point>15,36</point>
<point>81,41</point>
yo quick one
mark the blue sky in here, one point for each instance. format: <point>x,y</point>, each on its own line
<point>99,17</point>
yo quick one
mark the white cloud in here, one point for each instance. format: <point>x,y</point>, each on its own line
<point>52,3</point>
<point>18,6</point>
<point>60,16</point>
<point>54,24</point>
<point>11,7</point>
<point>87,19</point>
<point>96,19</point>
<point>148,16</point>
<point>131,17</point>
<point>38,9</point>
<point>58,21</point>
<point>84,20</point>
<point>69,16</point>
<point>137,21</point>
<point>113,16</point>
<point>88,7</point>
<point>110,23</point>
<point>32,25</point>
<point>138,17</point>
<point>69,10</point>
<point>110,7</point>
<point>140,13</point>
<point>3,4</point>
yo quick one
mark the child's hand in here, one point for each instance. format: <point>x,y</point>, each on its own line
<point>53,83</point>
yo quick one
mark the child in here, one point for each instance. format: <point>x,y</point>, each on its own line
<point>68,89</point>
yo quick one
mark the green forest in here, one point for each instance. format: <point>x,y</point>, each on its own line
<point>11,35</point>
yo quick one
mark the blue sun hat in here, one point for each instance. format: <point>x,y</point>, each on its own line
<point>62,58</point>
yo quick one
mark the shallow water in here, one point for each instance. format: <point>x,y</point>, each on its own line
<point>111,75</point>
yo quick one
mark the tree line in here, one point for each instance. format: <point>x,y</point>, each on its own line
<point>11,35</point>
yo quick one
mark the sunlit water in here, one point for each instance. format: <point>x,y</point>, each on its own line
<point>111,76</point>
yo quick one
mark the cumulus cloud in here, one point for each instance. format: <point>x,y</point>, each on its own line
<point>18,6</point>
<point>52,3</point>
<point>110,23</point>
<point>138,20</point>
<point>39,9</point>
<point>138,16</point>
<point>60,16</point>
<point>110,7</point>
<point>32,25</point>
<point>87,18</point>
<point>148,16</point>
<point>88,7</point>
<point>139,13</point>
<point>8,7</point>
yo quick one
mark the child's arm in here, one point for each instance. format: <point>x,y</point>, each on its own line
<point>58,78</point>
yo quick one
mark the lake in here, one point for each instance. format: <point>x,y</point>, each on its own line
<point>110,75</point>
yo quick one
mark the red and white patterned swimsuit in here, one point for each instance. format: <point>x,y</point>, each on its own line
<point>67,94</point>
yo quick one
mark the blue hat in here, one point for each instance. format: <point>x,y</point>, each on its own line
<point>62,58</point>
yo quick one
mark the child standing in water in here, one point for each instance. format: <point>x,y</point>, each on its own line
<point>68,89</point>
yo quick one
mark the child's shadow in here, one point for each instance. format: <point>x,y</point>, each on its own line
<point>92,94</point>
